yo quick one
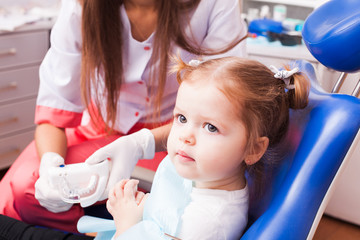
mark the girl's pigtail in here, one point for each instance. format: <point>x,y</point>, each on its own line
<point>181,68</point>
<point>296,84</point>
<point>298,97</point>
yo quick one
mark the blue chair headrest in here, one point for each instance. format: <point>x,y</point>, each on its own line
<point>332,35</point>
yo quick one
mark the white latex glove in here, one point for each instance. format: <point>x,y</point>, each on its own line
<point>47,196</point>
<point>124,153</point>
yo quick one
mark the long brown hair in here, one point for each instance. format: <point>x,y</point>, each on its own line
<point>262,101</point>
<point>102,49</point>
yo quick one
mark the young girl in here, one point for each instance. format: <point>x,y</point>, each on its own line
<point>108,62</point>
<point>230,116</point>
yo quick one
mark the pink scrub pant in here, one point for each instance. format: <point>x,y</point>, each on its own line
<point>17,192</point>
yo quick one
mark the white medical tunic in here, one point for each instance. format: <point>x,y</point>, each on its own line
<point>213,25</point>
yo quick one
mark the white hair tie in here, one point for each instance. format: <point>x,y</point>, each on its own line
<point>195,62</point>
<point>284,75</point>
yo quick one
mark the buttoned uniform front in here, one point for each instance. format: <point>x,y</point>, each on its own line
<point>214,24</point>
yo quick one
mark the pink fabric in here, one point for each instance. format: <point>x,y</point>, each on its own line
<point>57,117</point>
<point>17,198</point>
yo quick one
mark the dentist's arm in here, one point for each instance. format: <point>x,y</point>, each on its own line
<point>49,138</point>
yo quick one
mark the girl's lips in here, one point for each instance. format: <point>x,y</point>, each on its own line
<point>184,157</point>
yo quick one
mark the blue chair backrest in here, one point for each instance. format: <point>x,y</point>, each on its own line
<point>332,35</point>
<point>318,139</point>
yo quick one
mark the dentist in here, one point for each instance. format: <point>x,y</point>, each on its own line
<point>105,91</point>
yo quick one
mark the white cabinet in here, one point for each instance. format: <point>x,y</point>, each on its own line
<point>21,53</point>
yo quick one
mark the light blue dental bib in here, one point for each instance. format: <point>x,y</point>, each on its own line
<point>170,194</point>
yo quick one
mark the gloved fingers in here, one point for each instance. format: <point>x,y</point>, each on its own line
<point>146,140</point>
<point>130,189</point>
<point>56,207</point>
<point>123,154</point>
<point>43,191</point>
<point>50,159</point>
<point>50,198</point>
<point>98,156</point>
<point>59,208</point>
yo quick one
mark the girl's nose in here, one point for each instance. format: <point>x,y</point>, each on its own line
<point>187,137</point>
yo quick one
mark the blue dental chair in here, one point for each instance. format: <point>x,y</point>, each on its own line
<point>319,140</point>
<point>332,35</point>
<point>321,137</point>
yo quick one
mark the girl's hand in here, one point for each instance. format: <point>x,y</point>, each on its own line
<point>126,204</point>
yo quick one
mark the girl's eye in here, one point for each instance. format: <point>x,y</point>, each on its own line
<point>211,128</point>
<point>181,118</point>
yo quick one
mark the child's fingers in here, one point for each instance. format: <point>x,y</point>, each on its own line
<point>130,188</point>
<point>119,188</point>
<point>108,206</point>
<point>122,183</point>
<point>139,196</point>
<point>143,200</point>
<point>111,195</point>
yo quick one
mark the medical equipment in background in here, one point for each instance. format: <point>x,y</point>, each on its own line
<point>80,182</point>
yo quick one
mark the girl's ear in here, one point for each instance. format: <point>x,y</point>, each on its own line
<point>260,148</point>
